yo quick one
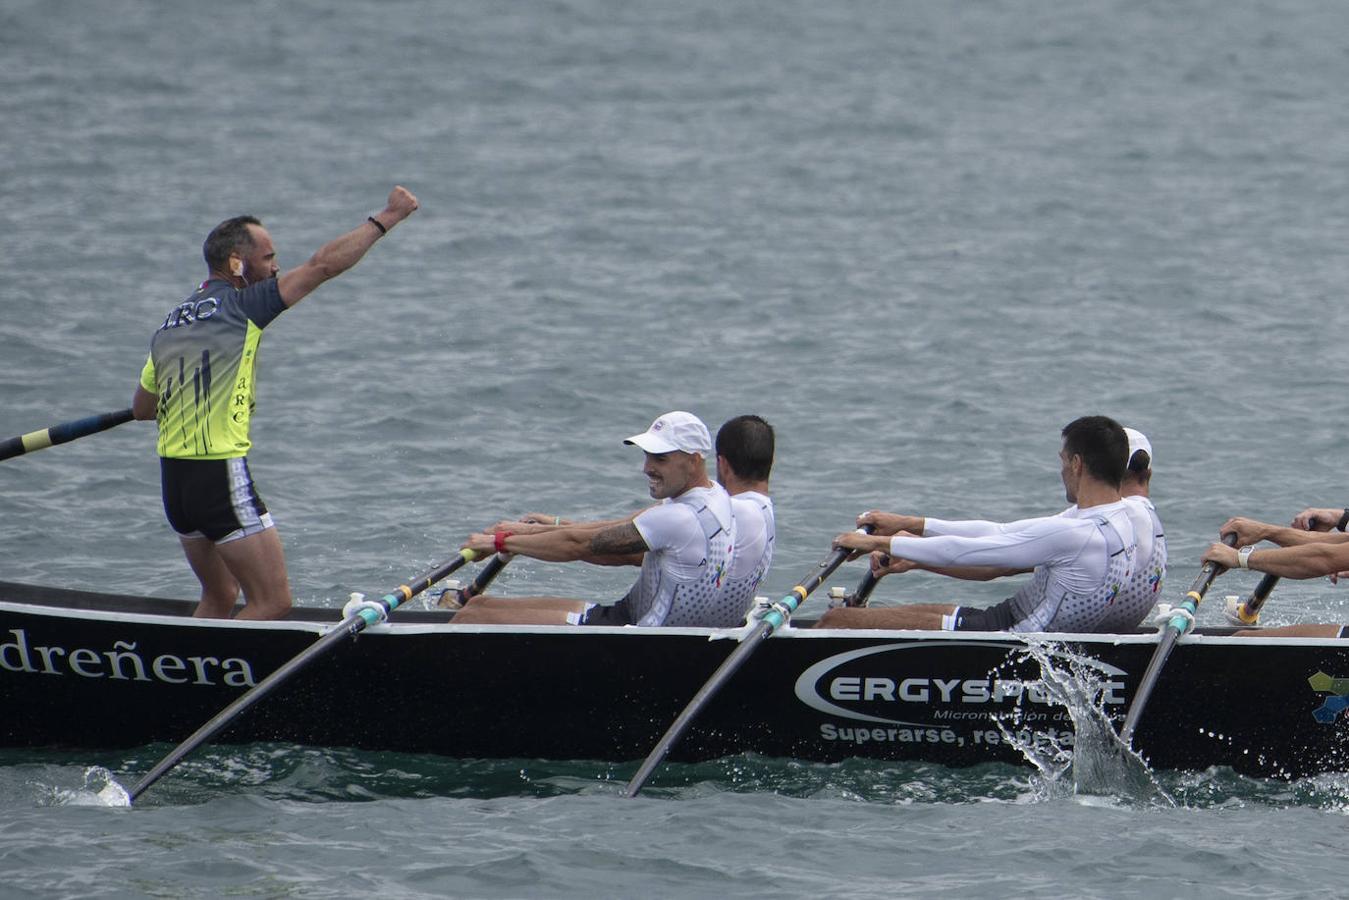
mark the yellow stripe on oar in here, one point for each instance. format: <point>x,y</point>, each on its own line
<point>36,440</point>
<point>59,434</point>
<point>801,592</point>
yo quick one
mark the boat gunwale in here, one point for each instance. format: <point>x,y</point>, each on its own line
<point>83,605</point>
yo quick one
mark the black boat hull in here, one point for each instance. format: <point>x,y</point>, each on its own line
<point>96,672</point>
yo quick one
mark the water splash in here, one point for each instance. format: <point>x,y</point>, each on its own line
<point>99,789</point>
<point>1093,761</point>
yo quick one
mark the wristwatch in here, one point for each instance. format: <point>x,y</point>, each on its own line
<point>1244,556</point>
<point>1344,520</point>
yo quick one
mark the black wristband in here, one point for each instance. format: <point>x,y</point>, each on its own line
<point>1344,520</point>
<point>383,231</point>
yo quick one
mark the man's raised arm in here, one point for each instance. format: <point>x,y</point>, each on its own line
<point>340,254</point>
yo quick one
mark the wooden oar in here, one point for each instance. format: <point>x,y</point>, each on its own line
<point>59,434</point>
<point>455,599</point>
<point>370,613</point>
<point>777,614</point>
<point>1177,625</point>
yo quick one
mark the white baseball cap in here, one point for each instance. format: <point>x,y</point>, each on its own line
<point>675,431</point>
<point>1138,441</point>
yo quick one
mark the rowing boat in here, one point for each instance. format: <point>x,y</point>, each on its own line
<point>102,671</point>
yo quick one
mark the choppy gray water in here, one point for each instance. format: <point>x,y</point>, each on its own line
<point>917,237</point>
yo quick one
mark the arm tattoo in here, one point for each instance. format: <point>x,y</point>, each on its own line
<point>617,540</point>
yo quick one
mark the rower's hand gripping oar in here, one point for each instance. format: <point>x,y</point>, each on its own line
<point>1177,625</point>
<point>59,434</point>
<point>773,619</point>
<point>369,612</point>
<point>1246,612</point>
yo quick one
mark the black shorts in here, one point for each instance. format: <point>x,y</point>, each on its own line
<point>613,614</point>
<point>212,498</point>
<point>995,618</point>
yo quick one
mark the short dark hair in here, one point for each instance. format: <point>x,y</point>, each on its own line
<point>746,443</point>
<point>227,237</point>
<point>1140,463</point>
<point>1102,444</point>
<point>1140,467</point>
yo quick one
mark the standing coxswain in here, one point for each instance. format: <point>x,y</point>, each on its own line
<point>198,383</point>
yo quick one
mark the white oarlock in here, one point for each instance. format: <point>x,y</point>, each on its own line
<point>1232,605</point>
<point>756,612</point>
<point>838,596</point>
<point>358,603</point>
<point>448,598</point>
<point>1165,612</point>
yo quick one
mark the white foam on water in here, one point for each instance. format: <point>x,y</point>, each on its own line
<point>1094,762</point>
<point>99,789</point>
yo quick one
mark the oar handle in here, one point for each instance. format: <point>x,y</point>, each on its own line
<point>60,434</point>
<point>1210,571</point>
<point>368,613</point>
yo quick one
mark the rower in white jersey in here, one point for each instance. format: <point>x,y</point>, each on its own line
<point>686,542</point>
<point>1140,594</point>
<point>744,462</point>
<point>1082,558</point>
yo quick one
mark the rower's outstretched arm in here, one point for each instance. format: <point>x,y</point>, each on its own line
<point>1304,561</point>
<point>566,544</point>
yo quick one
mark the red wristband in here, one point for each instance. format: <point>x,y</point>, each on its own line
<point>499,540</point>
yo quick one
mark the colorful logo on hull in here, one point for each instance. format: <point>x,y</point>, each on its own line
<point>1332,706</point>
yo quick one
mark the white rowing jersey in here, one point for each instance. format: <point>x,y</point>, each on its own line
<point>689,540</point>
<point>755,533</point>
<point>1082,561</point>
<point>1139,594</point>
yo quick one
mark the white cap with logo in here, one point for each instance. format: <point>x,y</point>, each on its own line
<point>1138,441</point>
<point>675,431</point>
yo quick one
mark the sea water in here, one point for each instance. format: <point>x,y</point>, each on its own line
<point>918,238</point>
